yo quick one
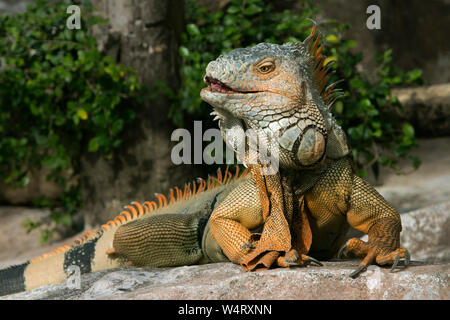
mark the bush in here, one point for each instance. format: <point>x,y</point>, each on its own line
<point>58,94</point>
<point>376,139</point>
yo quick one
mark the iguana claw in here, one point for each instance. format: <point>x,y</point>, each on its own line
<point>303,260</point>
<point>357,272</point>
<point>309,259</point>
<point>397,260</point>
<point>373,255</point>
<point>341,251</point>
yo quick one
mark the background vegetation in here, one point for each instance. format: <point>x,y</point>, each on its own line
<point>59,96</point>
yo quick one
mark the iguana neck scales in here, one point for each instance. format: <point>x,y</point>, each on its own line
<point>294,216</point>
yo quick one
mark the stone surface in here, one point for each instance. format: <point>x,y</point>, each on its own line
<point>229,281</point>
<point>426,108</point>
<point>426,186</point>
<point>425,234</point>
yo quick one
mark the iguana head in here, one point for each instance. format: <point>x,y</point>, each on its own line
<point>278,90</point>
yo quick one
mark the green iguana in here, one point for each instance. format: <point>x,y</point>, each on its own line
<point>295,216</point>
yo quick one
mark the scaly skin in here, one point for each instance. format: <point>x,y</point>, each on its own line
<point>278,91</point>
<point>293,217</point>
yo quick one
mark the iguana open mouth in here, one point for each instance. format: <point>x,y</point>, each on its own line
<point>216,85</point>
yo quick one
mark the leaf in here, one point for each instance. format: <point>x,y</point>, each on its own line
<point>377,133</point>
<point>332,39</point>
<point>66,219</point>
<point>183,51</point>
<point>25,181</point>
<point>82,114</point>
<point>365,103</point>
<point>408,130</point>
<point>416,162</point>
<point>413,75</point>
<point>331,58</point>
<point>233,9</point>
<point>351,43</point>
<point>93,145</point>
<point>192,29</point>
<point>339,106</point>
<point>252,9</point>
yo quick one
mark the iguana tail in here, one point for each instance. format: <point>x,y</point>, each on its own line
<point>12,279</point>
<point>157,240</point>
<point>173,231</point>
<point>52,268</point>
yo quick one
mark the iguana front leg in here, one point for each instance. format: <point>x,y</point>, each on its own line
<point>370,213</point>
<point>232,220</point>
<point>244,209</point>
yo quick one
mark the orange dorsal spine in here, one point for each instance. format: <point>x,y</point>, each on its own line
<point>321,73</point>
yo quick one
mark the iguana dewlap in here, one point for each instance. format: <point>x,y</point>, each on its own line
<point>299,214</point>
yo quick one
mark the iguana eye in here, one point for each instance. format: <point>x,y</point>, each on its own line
<point>266,67</point>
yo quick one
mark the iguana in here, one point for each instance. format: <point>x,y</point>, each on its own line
<point>296,216</point>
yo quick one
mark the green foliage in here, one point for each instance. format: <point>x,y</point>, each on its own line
<point>57,95</point>
<point>374,136</point>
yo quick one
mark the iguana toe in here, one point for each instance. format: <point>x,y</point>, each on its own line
<point>372,254</point>
<point>311,260</point>
<point>357,272</point>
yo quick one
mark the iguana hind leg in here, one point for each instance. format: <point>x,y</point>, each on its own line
<point>159,241</point>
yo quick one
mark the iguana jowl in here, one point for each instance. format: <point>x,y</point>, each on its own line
<point>300,214</point>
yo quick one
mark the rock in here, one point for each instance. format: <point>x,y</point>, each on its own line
<point>426,233</point>
<point>229,281</point>
<point>426,186</point>
<point>426,108</point>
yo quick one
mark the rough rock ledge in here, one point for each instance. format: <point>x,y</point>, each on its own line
<point>426,234</point>
<point>229,281</point>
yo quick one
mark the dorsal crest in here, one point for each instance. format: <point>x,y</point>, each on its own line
<point>321,73</point>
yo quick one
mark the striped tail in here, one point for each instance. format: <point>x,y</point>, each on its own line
<point>12,279</point>
<point>53,267</point>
